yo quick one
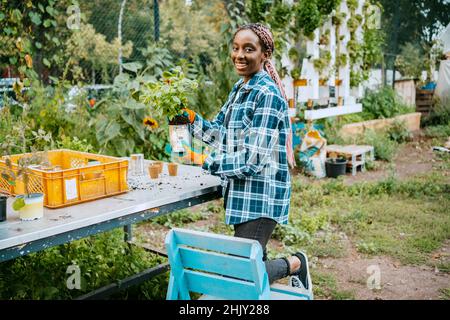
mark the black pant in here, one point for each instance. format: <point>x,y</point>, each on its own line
<point>261,230</point>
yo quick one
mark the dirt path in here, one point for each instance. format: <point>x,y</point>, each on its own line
<point>382,277</point>
<point>413,158</point>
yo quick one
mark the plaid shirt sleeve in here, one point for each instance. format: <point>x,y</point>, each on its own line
<point>259,143</point>
<point>210,132</point>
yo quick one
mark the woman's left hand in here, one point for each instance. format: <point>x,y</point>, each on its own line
<point>192,156</point>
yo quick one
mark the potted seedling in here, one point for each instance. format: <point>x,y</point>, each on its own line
<point>169,96</point>
<point>30,203</point>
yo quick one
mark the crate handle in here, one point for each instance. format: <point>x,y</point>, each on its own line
<point>92,175</point>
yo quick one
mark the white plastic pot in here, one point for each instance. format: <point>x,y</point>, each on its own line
<point>34,207</point>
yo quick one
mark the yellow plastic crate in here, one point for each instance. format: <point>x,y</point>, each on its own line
<point>72,177</point>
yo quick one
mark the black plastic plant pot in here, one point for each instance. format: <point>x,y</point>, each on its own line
<point>178,120</point>
<point>3,208</point>
<point>335,167</point>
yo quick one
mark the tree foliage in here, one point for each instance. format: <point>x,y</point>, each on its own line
<point>415,21</point>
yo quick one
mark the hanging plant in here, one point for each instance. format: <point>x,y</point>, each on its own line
<point>356,78</point>
<point>280,16</point>
<point>327,6</point>
<point>294,55</point>
<point>325,38</point>
<point>295,73</point>
<point>338,18</point>
<point>352,24</point>
<point>341,60</point>
<point>355,51</point>
<point>322,63</point>
<point>307,17</point>
<point>352,5</point>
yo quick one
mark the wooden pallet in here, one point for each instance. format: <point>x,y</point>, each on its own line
<point>424,101</point>
<point>356,155</point>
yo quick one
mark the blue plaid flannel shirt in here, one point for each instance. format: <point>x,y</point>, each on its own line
<point>250,152</point>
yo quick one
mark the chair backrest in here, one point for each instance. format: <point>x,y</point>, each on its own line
<point>217,265</point>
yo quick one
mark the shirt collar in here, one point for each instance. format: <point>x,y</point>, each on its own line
<point>251,83</point>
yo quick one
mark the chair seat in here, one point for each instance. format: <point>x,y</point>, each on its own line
<point>277,292</point>
<point>221,267</point>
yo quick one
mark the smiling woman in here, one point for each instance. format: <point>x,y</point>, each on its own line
<point>247,54</point>
<point>251,136</point>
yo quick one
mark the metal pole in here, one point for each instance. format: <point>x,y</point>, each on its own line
<point>156,19</point>
<point>122,7</point>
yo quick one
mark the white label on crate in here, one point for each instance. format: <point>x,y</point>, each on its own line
<point>71,189</point>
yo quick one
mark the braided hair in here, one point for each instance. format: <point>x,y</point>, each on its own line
<point>268,46</point>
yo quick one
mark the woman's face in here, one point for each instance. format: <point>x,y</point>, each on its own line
<point>247,54</point>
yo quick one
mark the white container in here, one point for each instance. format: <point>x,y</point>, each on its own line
<point>137,165</point>
<point>179,137</point>
<point>34,207</point>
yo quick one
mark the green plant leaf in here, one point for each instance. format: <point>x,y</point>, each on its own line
<point>132,66</point>
<point>113,130</point>
<point>47,23</point>
<point>35,18</point>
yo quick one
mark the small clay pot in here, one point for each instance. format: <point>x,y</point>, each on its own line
<point>153,170</point>
<point>173,168</point>
<point>160,164</point>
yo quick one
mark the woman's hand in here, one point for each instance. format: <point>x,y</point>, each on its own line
<point>192,156</point>
<point>188,113</point>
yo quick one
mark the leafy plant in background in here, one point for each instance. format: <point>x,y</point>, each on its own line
<point>157,58</point>
<point>385,148</point>
<point>410,62</point>
<point>383,103</point>
<point>191,31</point>
<point>119,124</point>
<point>439,114</point>
<point>398,132</point>
<point>33,29</point>
<point>307,16</point>
<point>92,53</point>
<point>102,259</point>
<point>257,10</point>
<point>326,7</point>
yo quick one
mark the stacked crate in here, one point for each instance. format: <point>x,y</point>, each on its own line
<point>424,101</point>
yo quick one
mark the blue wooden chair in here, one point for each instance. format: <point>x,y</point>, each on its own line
<point>221,267</point>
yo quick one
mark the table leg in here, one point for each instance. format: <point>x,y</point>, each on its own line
<point>128,236</point>
<point>353,165</point>
<point>363,159</point>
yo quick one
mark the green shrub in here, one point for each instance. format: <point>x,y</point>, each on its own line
<point>398,132</point>
<point>291,234</point>
<point>178,218</point>
<point>385,148</point>
<point>439,115</point>
<point>438,131</point>
<point>384,103</point>
<point>102,259</point>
